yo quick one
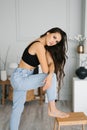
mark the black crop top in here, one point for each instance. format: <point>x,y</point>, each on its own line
<point>29,58</point>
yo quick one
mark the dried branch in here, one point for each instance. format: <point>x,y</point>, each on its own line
<point>4,62</point>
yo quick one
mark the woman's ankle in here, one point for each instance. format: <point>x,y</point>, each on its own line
<point>52,106</point>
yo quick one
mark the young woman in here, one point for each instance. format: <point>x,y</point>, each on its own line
<point>50,52</point>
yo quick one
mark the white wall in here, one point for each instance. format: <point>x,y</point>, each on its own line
<point>85,18</point>
<point>21,21</point>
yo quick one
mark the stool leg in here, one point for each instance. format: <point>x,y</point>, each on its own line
<point>58,127</point>
<point>55,124</point>
<point>3,94</point>
<point>41,96</point>
<point>83,127</point>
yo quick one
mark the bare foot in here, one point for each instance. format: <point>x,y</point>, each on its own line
<point>58,113</point>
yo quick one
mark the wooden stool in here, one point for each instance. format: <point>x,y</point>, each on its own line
<point>75,118</point>
<point>29,96</point>
<point>41,95</point>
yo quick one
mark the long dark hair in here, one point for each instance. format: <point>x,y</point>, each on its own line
<point>58,53</point>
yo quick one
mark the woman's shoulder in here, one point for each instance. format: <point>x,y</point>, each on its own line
<point>38,45</point>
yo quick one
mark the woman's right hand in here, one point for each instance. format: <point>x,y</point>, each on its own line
<point>47,81</point>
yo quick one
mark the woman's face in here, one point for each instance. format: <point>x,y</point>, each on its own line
<point>53,38</point>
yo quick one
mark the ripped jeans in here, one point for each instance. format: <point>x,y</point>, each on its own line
<point>23,80</point>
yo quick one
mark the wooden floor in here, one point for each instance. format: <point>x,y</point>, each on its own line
<point>35,116</point>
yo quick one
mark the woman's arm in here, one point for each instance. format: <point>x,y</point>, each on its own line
<point>50,63</point>
<point>51,68</point>
<point>41,54</point>
<point>38,49</point>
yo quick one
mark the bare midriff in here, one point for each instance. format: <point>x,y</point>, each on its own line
<point>24,65</point>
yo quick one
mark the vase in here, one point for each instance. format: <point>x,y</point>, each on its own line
<point>80,48</point>
<point>3,75</point>
<point>81,72</point>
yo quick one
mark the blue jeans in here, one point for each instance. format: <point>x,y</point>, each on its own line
<point>23,80</point>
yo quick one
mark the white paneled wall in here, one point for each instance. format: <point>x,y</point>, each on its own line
<point>34,18</point>
<point>86,18</point>
<point>21,21</point>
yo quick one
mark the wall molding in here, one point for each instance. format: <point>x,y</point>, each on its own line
<point>21,36</point>
<point>85,18</point>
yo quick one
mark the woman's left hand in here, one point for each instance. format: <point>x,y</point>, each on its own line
<point>47,81</point>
